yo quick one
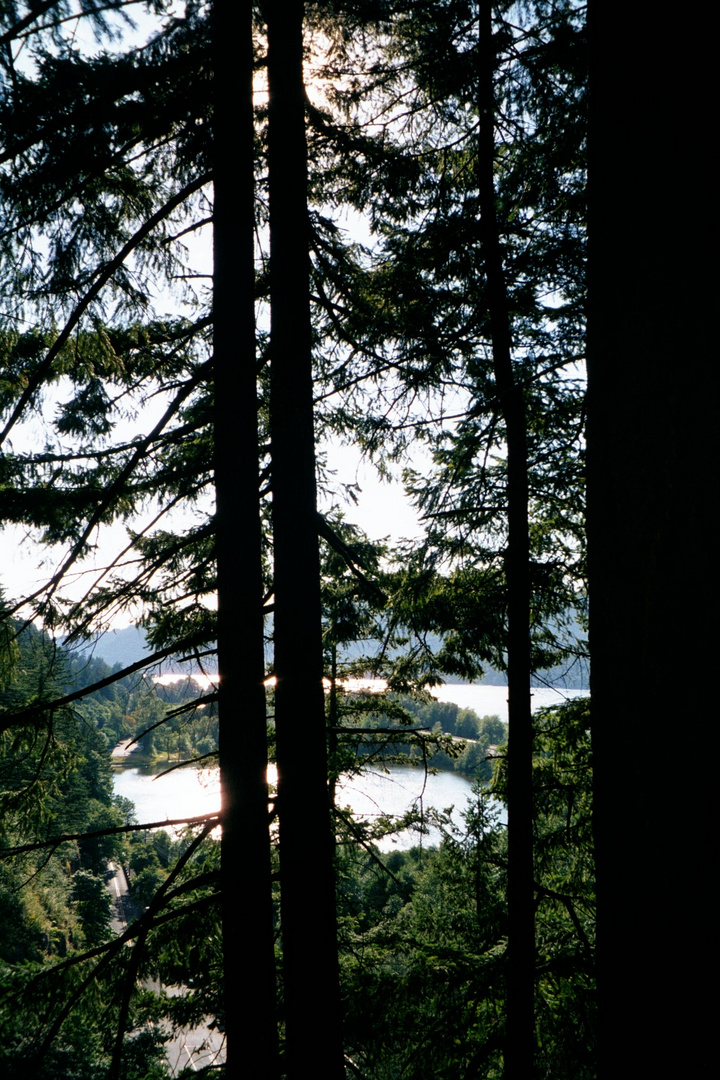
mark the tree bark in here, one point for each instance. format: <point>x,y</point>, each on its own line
<point>312,1016</point>
<point>247,915</point>
<point>652,485</point>
<point>520,1037</point>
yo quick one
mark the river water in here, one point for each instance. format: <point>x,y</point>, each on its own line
<point>187,792</point>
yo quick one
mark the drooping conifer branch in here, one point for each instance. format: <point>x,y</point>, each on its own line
<point>37,1057</point>
<point>33,713</point>
<point>104,275</point>
<point>116,830</point>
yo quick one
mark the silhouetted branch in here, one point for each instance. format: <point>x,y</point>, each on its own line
<point>38,709</point>
<point>56,841</point>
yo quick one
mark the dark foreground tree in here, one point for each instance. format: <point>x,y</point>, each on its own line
<point>652,486</point>
<point>248,933</point>
<point>312,1019</point>
<point>519,1045</point>
<point>520,976</point>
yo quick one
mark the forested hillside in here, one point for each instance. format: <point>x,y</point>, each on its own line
<point>416,928</point>
<point>236,238</point>
<point>63,835</point>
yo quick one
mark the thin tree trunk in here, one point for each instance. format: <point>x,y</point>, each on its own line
<point>520,1037</point>
<point>310,965</point>
<point>248,939</point>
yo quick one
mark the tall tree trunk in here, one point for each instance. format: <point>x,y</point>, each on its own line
<point>520,1039</point>
<point>248,944</point>
<point>309,935</point>
<point>652,489</point>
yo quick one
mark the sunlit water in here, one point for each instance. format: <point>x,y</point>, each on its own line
<point>186,792</point>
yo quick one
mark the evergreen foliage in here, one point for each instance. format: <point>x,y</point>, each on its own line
<point>111,345</point>
<point>434,734</point>
<point>424,933</point>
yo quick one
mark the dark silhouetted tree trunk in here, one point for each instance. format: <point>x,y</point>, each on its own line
<point>311,991</point>
<point>521,944</point>
<point>248,947</point>
<point>652,487</point>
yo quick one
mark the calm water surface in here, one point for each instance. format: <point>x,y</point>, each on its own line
<point>187,792</point>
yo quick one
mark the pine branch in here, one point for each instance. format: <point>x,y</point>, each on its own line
<point>115,830</point>
<point>364,843</point>
<point>354,564</point>
<point>32,16</point>
<point>111,493</point>
<point>129,984</point>
<point>33,715</point>
<point>104,275</point>
<point>141,927</point>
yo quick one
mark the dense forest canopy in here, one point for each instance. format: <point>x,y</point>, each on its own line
<point>235,237</point>
<point>398,343</point>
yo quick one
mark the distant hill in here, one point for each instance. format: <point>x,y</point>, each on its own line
<point>127,646</point>
<point>572,674</point>
<point>123,647</point>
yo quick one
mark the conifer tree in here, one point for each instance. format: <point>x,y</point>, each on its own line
<point>108,159</point>
<point>248,933</point>
<point>313,1039</point>
<point>519,1046</point>
<point>494,234</point>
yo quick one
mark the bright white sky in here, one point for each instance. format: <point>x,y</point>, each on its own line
<point>382,509</point>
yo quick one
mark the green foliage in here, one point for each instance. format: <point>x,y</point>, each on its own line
<point>104,175</point>
<point>55,905</point>
<point>417,730</point>
<point>93,906</point>
<point>54,779</point>
<point>175,719</point>
<point>424,960</point>
<point>565,889</point>
<point>424,932</point>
